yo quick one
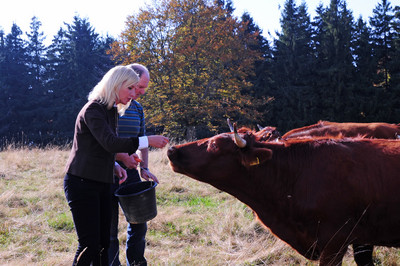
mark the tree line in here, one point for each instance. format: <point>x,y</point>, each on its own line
<point>207,65</point>
<point>43,88</point>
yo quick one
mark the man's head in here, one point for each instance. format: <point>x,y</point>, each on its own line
<point>144,76</point>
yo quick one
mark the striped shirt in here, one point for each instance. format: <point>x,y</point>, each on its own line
<point>132,123</point>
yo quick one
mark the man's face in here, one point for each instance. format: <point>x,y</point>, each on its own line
<point>142,85</point>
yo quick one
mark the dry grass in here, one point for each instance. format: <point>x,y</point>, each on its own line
<point>196,223</point>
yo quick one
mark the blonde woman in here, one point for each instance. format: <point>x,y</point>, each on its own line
<point>91,164</point>
<point>132,124</point>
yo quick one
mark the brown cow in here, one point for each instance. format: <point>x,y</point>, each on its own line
<point>363,253</point>
<point>325,128</point>
<point>318,195</point>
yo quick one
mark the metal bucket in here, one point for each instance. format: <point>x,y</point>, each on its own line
<point>138,201</point>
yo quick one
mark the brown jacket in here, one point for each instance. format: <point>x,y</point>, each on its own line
<point>95,143</point>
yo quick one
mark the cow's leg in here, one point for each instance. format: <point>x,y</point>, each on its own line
<point>332,256</point>
<point>363,254</point>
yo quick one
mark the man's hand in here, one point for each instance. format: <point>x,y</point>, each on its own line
<point>121,173</point>
<point>145,174</point>
<point>129,161</point>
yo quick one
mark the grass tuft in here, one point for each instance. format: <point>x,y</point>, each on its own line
<point>62,221</point>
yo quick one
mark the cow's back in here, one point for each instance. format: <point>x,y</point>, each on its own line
<point>326,128</point>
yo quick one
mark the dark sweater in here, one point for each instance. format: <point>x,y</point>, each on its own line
<point>95,143</point>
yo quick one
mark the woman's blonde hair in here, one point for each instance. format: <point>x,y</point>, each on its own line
<point>107,90</point>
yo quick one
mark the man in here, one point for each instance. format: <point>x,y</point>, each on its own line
<point>132,124</point>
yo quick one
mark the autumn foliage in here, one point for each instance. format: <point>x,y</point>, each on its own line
<point>199,61</point>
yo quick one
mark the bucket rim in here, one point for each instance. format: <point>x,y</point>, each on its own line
<point>153,185</point>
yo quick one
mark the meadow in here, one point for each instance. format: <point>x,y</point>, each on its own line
<point>196,223</point>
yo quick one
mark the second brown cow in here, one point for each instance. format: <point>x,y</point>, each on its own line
<point>376,130</point>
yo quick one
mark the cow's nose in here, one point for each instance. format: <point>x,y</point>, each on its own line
<point>172,152</point>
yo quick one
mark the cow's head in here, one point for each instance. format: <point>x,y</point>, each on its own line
<point>219,158</point>
<point>267,133</point>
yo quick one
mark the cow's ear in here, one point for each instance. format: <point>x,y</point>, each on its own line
<point>256,156</point>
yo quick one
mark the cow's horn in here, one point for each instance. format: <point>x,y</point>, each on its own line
<point>260,127</point>
<point>239,141</point>
<point>229,124</point>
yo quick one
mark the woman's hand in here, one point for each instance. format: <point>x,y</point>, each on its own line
<point>157,141</point>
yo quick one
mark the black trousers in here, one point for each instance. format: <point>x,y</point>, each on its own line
<point>90,204</point>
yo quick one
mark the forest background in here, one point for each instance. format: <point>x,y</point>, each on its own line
<point>207,65</point>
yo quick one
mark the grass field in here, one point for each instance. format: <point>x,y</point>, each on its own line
<point>196,223</point>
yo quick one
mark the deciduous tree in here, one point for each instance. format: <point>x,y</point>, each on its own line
<point>198,64</point>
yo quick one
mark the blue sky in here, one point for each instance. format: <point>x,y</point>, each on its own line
<point>109,16</point>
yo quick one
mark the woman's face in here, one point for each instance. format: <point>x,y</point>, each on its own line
<point>126,94</point>
<point>133,92</point>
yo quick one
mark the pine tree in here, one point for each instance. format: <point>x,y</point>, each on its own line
<point>335,68</point>
<point>293,51</point>
<point>293,67</point>
<point>2,64</point>
<point>386,100</point>
<point>2,60</point>
<point>36,60</point>
<point>16,86</point>
<point>363,54</point>
<point>15,62</point>
<point>364,73</point>
<point>77,61</point>
<point>262,77</point>
<point>382,35</point>
<point>395,62</point>
<point>4,90</point>
<point>252,36</point>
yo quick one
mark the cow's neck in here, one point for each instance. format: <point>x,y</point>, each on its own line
<point>267,191</point>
